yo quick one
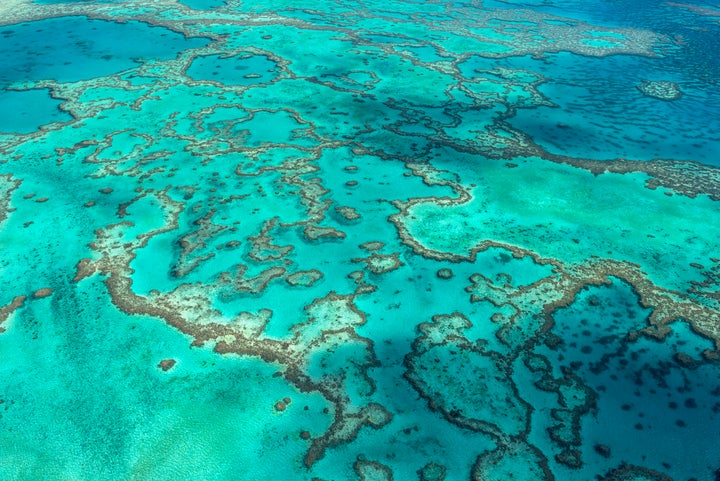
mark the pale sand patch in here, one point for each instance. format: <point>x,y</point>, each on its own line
<point>8,7</point>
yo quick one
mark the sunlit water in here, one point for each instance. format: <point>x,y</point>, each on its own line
<point>359,240</point>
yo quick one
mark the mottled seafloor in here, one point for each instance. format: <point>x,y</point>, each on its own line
<point>359,240</point>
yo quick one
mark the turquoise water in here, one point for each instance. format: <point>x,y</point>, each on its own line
<point>203,4</point>
<point>389,240</point>
<point>247,68</point>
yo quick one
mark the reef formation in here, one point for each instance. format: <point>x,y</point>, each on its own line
<point>354,240</point>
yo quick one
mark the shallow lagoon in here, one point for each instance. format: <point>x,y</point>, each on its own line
<point>404,241</point>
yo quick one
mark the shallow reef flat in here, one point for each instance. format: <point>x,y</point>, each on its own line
<point>359,240</point>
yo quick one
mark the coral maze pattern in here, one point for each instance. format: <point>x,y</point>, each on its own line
<point>336,192</point>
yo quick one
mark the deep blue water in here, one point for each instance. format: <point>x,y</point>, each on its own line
<point>68,49</point>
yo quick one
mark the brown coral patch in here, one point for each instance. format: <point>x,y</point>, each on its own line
<point>445,273</point>
<point>381,263</point>
<point>7,310</point>
<point>167,364</point>
<point>44,292</point>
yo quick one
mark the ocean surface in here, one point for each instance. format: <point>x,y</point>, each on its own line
<point>359,240</point>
